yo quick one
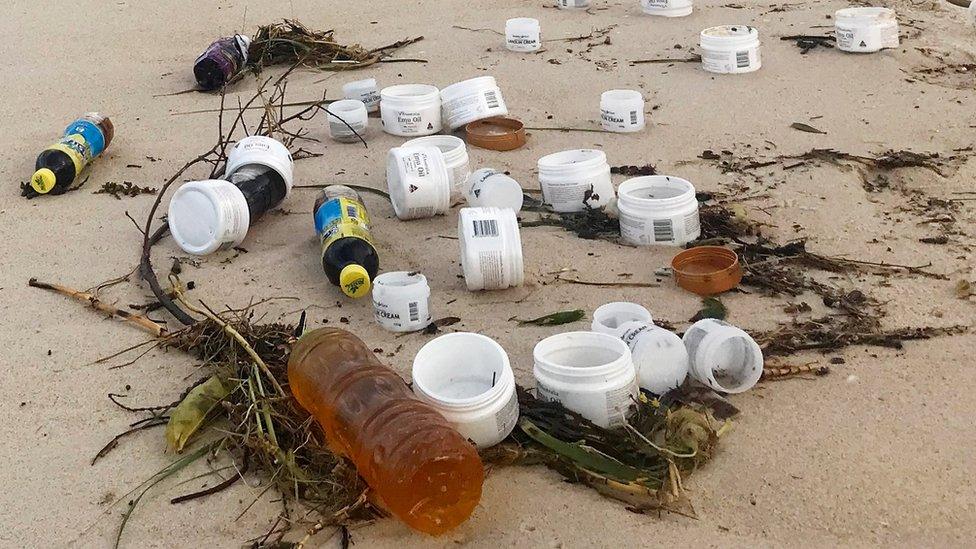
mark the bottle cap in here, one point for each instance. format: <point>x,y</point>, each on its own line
<point>496,134</point>
<point>43,180</point>
<point>354,281</point>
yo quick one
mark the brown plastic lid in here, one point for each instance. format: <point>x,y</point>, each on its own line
<point>497,134</point>
<point>707,270</point>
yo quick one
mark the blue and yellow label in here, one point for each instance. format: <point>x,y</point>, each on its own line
<point>341,218</point>
<point>91,132</point>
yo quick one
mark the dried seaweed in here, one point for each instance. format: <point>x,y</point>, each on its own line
<point>126,188</point>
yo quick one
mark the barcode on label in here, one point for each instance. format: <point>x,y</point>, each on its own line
<point>663,231</point>
<point>633,117</point>
<point>351,211</point>
<point>486,227</point>
<point>414,312</point>
<point>742,59</point>
<point>492,99</point>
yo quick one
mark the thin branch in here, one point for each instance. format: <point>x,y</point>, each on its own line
<point>139,320</point>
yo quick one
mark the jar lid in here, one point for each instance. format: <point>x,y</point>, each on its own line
<point>496,134</point>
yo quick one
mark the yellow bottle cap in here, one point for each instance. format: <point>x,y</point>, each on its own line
<point>43,180</point>
<point>354,281</point>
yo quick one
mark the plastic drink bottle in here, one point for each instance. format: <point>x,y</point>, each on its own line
<point>420,468</point>
<point>221,61</point>
<point>60,164</point>
<point>348,256</point>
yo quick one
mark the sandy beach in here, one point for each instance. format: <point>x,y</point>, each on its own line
<point>878,452</point>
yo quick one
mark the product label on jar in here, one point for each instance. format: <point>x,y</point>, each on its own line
<point>506,417</point>
<point>338,128</point>
<point>574,3</point>
<point>524,42</point>
<point>475,105</point>
<point>412,122</point>
<point>566,195</point>
<point>340,218</point>
<point>401,314</point>
<point>619,402</point>
<point>619,121</point>
<point>729,62</point>
<point>370,98</point>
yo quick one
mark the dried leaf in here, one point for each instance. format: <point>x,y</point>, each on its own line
<point>555,319</point>
<point>190,414</point>
<point>711,308</point>
<point>806,128</point>
<point>964,289</point>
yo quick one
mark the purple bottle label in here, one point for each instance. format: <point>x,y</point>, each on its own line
<point>230,54</point>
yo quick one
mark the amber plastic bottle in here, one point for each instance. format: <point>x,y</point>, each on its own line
<point>422,470</point>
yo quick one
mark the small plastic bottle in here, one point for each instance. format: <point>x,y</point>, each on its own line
<point>60,164</point>
<point>422,470</point>
<point>348,255</point>
<point>221,61</point>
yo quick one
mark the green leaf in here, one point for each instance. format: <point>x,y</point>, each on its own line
<point>190,414</point>
<point>584,456</point>
<point>555,319</point>
<point>806,128</point>
<point>711,308</point>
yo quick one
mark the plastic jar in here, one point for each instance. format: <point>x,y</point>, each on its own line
<point>658,209</point>
<point>353,113</point>
<point>667,8</point>
<point>568,177</point>
<point>455,154</point>
<point>866,30</point>
<point>365,91</point>
<point>622,111</point>
<point>572,4</point>
<point>469,380</point>
<point>491,249</point>
<point>472,100</point>
<point>523,34</point>
<point>730,49</point>
<point>489,188</point>
<point>410,110</point>
<point>722,356</point>
<point>660,356</point>
<point>589,373</point>
<point>612,317</point>
<point>418,182</point>
<point>401,301</point>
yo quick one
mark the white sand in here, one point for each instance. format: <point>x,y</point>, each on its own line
<point>878,452</point>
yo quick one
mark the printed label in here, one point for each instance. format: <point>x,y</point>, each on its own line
<point>340,218</point>
<point>92,134</point>
<point>619,401</point>
<point>524,42</point>
<point>506,417</point>
<point>485,228</point>
<point>492,270</point>
<point>412,122</point>
<point>77,148</point>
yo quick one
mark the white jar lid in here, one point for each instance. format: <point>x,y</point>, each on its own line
<point>264,151</point>
<point>205,216</point>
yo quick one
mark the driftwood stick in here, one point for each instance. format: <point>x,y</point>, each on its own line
<point>139,320</point>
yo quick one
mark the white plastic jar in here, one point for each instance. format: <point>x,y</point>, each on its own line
<point>418,182</point>
<point>489,188</point>
<point>722,356</point>
<point>347,118</point>
<point>365,91</point>
<point>411,110</point>
<point>523,34</point>
<point>667,8</point>
<point>572,4</point>
<point>468,379</point>
<point>866,29</point>
<point>401,301</point>
<point>660,356</point>
<point>572,180</point>
<point>471,100</point>
<point>658,209</point>
<point>612,318</point>
<point>207,216</point>
<point>455,157</point>
<point>491,249</point>
<point>589,373</point>
<point>622,111</point>
<point>730,49</point>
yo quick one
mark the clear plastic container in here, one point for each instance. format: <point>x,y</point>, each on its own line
<point>730,49</point>
<point>411,110</point>
<point>418,181</point>
<point>491,248</point>
<point>658,209</point>
<point>576,179</point>
<point>469,380</point>
<point>347,118</point>
<point>722,356</point>
<point>416,463</point>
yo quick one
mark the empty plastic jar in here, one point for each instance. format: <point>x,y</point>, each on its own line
<point>612,317</point>
<point>667,8</point>
<point>730,49</point>
<point>622,111</point>
<point>589,373</point>
<point>401,301</point>
<point>659,355</point>
<point>469,380</point>
<point>410,110</point>
<point>658,209</point>
<point>572,180</point>
<point>471,100</point>
<point>722,356</point>
<point>572,4</point>
<point>866,30</point>
<point>491,249</point>
<point>523,34</point>
<point>418,182</point>
<point>347,118</point>
<point>491,188</point>
<point>455,157</point>
<point>365,91</point>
